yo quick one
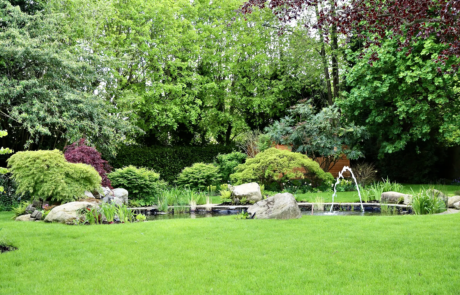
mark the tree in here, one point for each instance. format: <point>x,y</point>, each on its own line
<point>47,87</point>
<point>377,20</point>
<point>312,14</point>
<point>184,75</point>
<point>324,136</point>
<point>401,98</point>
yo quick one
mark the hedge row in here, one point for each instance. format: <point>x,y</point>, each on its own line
<point>168,161</point>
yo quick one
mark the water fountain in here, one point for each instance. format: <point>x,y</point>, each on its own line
<point>346,168</point>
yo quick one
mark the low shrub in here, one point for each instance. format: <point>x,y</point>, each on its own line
<point>20,209</point>
<point>365,173</point>
<point>47,175</point>
<point>228,162</point>
<point>168,161</point>
<point>144,185</point>
<point>79,152</point>
<point>425,202</point>
<point>199,176</point>
<point>280,166</point>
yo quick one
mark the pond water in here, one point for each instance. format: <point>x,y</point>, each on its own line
<point>234,212</point>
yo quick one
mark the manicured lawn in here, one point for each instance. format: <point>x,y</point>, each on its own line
<point>311,255</point>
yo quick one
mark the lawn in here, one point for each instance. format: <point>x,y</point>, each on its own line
<point>311,255</point>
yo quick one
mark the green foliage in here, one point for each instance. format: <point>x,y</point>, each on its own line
<point>141,183</point>
<point>325,134</point>
<point>425,202</point>
<point>401,98</point>
<point>375,190</point>
<point>168,161</point>
<point>280,166</point>
<point>48,85</point>
<point>225,196</point>
<point>47,175</point>
<point>20,209</point>
<point>199,176</point>
<point>141,217</point>
<point>228,162</point>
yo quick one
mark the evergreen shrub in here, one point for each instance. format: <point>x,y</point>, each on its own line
<point>228,162</point>
<point>142,184</point>
<point>168,161</point>
<point>47,175</point>
<point>280,166</point>
<point>199,176</point>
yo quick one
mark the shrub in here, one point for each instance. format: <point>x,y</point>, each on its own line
<point>142,184</point>
<point>81,153</point>
<point>168,161</point>
<point>280,166</point>
<point>425,202</point>
<point>47,175</point>
<point>199,176</point>
<point>365,173</point>
<point>228,162</point>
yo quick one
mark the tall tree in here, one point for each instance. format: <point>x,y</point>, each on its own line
<point>47,88</point>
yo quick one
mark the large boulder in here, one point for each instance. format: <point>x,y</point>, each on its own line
<point>250,191</point>
<point>25,218</point>
<point>89,195</point>
<point>396,198</point>
<point>456,205</point>
<point>452,200</point>
<point>67,213</point>
<point>106,192</point>
<point>120,196</point>
<point>280,206</point>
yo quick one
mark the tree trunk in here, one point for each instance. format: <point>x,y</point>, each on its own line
<point>324,62</point>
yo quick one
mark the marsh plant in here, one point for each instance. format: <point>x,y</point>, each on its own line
<point>318,205</point>
<point>386,209</point>
<point>225,196</point>
<point>141,217</point>
<point>20,209</point>
<point>425,202</point>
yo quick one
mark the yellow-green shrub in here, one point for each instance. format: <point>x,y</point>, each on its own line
<point>280,166</point>
<point>47,175</point>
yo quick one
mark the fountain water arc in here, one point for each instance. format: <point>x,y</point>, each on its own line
<point>346,168</point>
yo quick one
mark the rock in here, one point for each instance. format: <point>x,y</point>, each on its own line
<point>280,206</point>
<point>36,214</point>
<point>97,195</point>
<point>67,213</point>
<point>396,198</point>
<point>106,191</point>
<point>30,209</point>
<point>24,218</point>
<point>452,200</point>
<point>439,194</point>
<point>37,204</point>
<point>250,191</point>
<point>89,195</point>
<point>121,194</point>
<point>108,199</point>
<point>456,205</point>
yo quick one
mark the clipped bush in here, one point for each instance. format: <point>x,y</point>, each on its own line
<point>199,176</point>
<point>142,184</point>
<point>169,161</point>
<point>79,152</point>
<point>279,166</point>
<point>47,175</point>
<point>228,162</point>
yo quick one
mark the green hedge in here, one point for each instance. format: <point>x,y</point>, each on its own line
<point>168,161</point>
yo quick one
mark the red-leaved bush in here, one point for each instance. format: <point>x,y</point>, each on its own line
<point>79,152</point>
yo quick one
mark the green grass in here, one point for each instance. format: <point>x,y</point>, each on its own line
<point>311,255</point>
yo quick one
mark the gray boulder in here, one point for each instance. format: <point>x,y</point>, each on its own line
<point>24,218</point>
<point>120,196</point>
<point>250,191</point>
<point>396,198</point>
<point>280,206</point>
<point>37,215</point>
<point>89,195</point>
<point>452,200</point>
<point>106,191</point>
<point>67,213</point>
<point>30,209</point>
<point>456,205</point>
